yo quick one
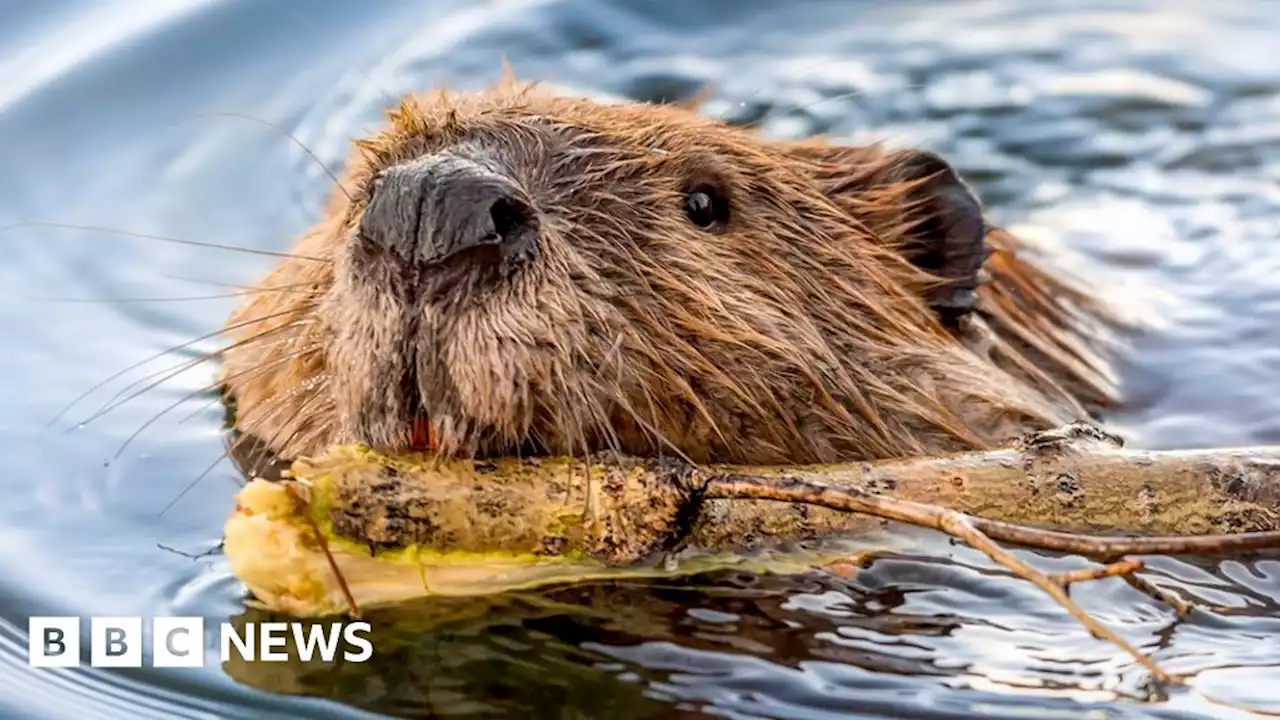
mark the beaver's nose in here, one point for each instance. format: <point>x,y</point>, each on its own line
<point>439,206</point>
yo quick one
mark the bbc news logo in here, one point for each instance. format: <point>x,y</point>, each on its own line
<point>54,642</point>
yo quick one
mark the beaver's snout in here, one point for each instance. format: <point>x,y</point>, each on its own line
<point>441,207</point>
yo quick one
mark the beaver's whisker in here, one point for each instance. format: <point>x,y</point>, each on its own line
<point>191,485</point>
<point>267,447</point>
<point>217,398</point>
<point>107,404</point>
<point>231,447</point>
<point>203,358</point>
<point>608,433</point>
<point>160,238</point>
<point>539,439</point>
<point>211,386</point>
<point>247,428</point>
<point>291,287</point>
<point>167,351</point>
<point>274,447</point>
<point>178,370</point>
<point>311,288</point>
<point>648,427</point>
<point>675,381</point>
<point>187,298</point>
<point>601,419</point>
<point>140,300</point>
<point>327,171</point>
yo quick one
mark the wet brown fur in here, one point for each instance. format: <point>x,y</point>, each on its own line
<point>798,335</point>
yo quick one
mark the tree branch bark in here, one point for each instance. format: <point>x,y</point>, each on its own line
<point>356,529</point>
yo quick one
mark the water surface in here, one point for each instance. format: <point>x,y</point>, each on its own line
<point>1138,139</point>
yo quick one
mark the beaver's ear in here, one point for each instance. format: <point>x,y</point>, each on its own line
<point>917,201</point>
<point>945,233</point>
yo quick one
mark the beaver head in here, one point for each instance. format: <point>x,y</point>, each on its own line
<point>513,271</point>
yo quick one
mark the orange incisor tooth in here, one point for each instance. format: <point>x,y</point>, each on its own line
<point>424,433</point>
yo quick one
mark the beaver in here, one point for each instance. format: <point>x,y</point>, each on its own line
<point>517,271</point>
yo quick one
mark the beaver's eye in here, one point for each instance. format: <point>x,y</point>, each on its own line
<point>706,208</point>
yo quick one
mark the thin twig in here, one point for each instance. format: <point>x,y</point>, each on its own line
<point>1180,605</point>
<point>304,509</point>
<point>959,525</point>
<point>1123,568</point>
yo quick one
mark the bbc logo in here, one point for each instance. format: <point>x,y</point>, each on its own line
<point>54,642</point>
<point>116,642</point>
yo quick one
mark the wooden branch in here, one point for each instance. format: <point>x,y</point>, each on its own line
<point>374,530</point>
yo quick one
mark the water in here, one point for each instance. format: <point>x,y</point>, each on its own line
<point>1142,136</point>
